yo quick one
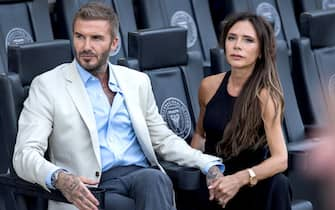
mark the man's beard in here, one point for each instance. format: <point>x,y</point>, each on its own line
<point>93,67</point>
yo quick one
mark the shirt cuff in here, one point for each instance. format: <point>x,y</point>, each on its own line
<point>48,179</point>
<point>213,163</point>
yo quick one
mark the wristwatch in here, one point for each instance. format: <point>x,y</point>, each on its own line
<point>252,177</point>
<point>54,176</point>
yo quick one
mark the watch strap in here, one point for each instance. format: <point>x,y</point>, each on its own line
<point>54,176</point>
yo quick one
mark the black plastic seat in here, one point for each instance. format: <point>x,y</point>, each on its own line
<point>280,13</point>
<point>16,193</point>
<point>302,6</point>
<point>313,62</point>
<point>205,26</point>
<point>20,61</point>
<point>175,76</point>
<point>65,11</point>
<point>164,67</point>
<point>299,137</point>
<point>192,15</point>
<point>22,22</point>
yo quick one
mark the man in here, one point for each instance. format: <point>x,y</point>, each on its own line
<point>101,125</point>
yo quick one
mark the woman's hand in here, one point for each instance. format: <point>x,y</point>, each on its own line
<point>225,188</point>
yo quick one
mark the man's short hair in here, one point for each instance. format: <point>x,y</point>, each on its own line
<point>96,10</point>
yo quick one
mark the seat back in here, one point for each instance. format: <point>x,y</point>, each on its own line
<point>293,125</point>
<point>289,21</point>
<point>267,8</point>
<point>279,13</point>
<point>192,15</point>
<point>65,11</point>
<point>21,22</point>
<point>302,6</point>
<point>162,54</point>
<point>14,86</point>
<point>13,95</point>
<point>205,25</point>
<point>313,58</point>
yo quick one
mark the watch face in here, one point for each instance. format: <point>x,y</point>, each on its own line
<point>253,181</point>
<point>252,177</point>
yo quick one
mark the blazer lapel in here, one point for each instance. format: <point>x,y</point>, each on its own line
<point>135,113</point>
<point>82,102</point>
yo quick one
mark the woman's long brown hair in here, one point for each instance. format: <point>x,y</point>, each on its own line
<point>246,128</point>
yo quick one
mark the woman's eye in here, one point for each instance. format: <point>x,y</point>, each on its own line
<point>230,38</point>
<point>250,40</point>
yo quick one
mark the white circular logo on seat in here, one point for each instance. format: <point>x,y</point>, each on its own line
<point>183,19</point>
<point>270,13</point>
<point>118,47</point>
<point>18,36</point>
<point>177,116</point>
<point>328,4</point>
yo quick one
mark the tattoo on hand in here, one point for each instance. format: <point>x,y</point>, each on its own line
<point>213,174</point>
<point>68,184</point>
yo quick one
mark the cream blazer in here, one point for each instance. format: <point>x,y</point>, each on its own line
<point>58,116</point>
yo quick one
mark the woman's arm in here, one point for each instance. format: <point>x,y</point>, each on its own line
<point>277,162</point>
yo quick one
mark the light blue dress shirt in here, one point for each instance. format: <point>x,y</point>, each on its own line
<point>118,142</point>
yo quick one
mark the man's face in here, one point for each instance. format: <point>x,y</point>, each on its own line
<point>92,42</point>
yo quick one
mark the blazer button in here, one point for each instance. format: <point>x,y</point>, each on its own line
<point>97,173</point>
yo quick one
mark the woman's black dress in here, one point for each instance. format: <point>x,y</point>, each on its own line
<point>270,194</point>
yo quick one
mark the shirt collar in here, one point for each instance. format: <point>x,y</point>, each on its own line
<point>86,76</point>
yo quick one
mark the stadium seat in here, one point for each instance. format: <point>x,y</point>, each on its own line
<point>279,13</point>
<point>165,66</point>
<point>313,61</point>
<point>302,6</point>
<point>162,54</point>
<point>21,22</point>
<point>293,125</point>
<point>208,38</point>
<point>298,137</point>
<point>205,26</point>
<point>66,9</point>
<point>289,22</point>
<point>193,15</point>
<point>20,59</point>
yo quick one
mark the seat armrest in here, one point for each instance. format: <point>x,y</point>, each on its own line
<point>302,146</point>
<point>184,178</point>
<point>22,187</point>
<point>48,54</point>
<point>298,152</point>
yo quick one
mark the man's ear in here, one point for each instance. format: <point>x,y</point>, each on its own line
<point>114,44</point>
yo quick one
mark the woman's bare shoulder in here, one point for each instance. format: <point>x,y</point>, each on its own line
<point>208,87</point>
<point>212,82</point>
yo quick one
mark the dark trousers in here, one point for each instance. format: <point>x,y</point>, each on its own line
<point>134,187</point>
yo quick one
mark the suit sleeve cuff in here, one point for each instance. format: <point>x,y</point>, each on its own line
<point>220,165</point>
<point>48,179</point>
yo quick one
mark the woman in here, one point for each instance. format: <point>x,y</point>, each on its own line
<point>240,120</point>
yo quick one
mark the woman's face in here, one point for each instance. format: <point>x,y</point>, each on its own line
<point>242,46</point>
